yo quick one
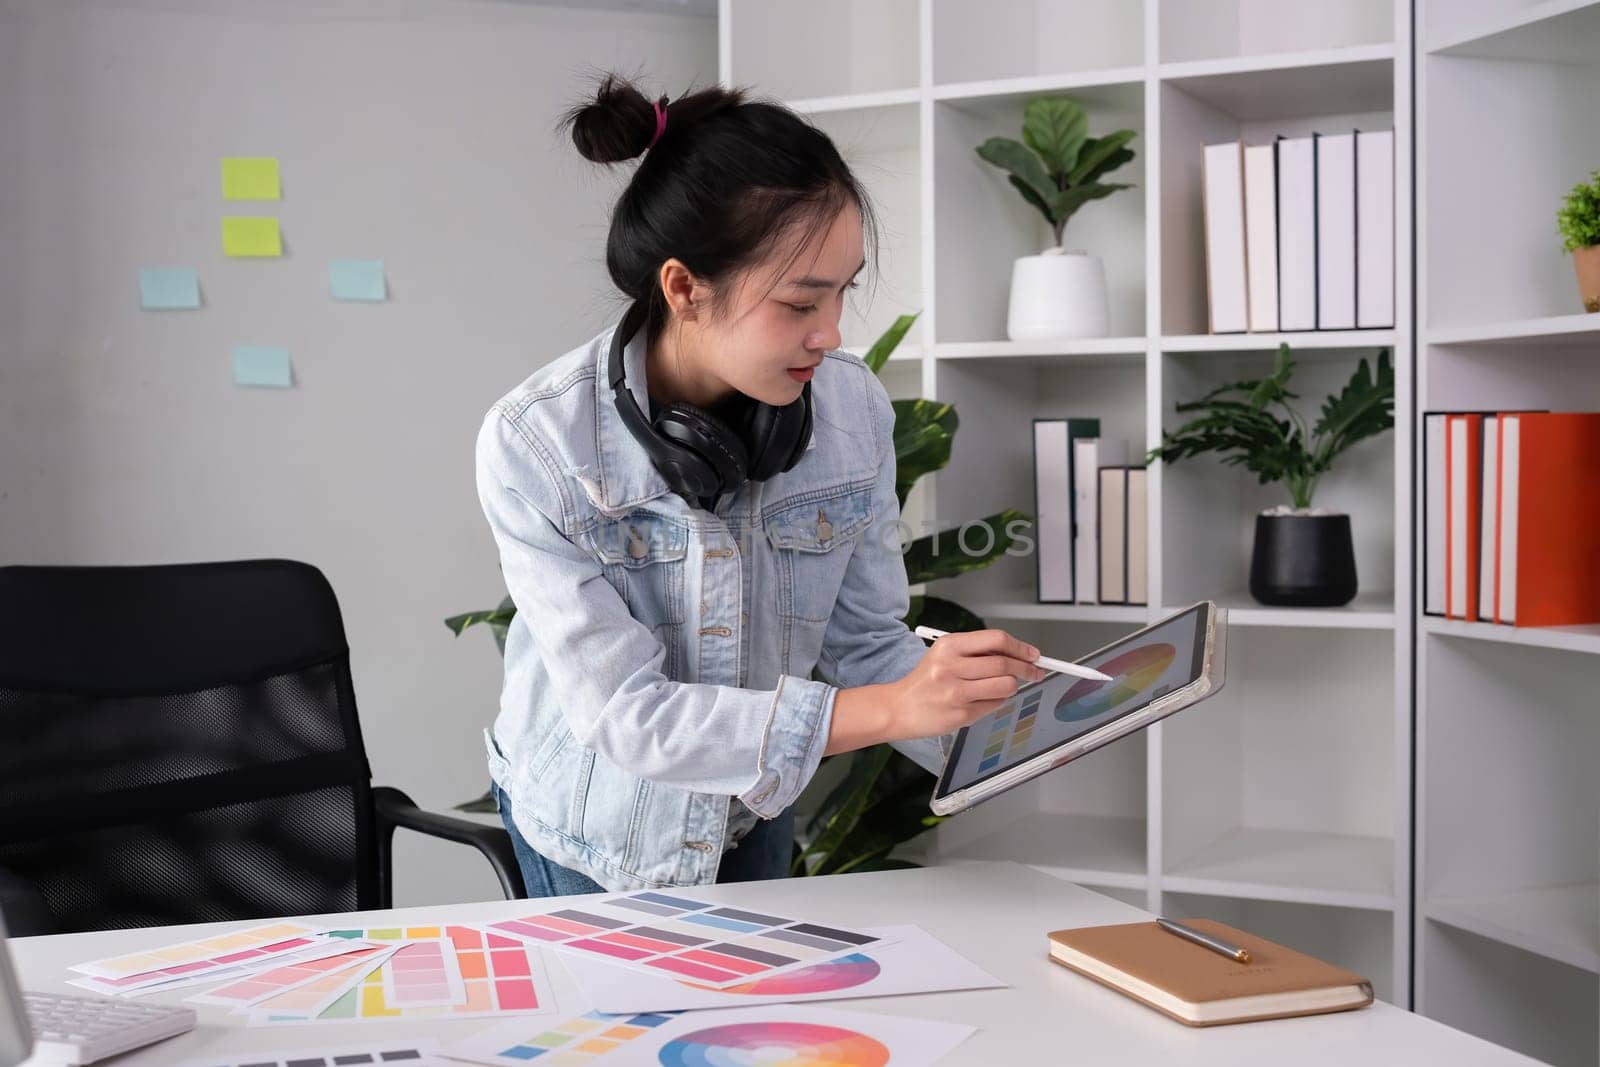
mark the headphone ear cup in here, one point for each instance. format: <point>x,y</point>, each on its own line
<point>710,443</point>
<point>778,435</point>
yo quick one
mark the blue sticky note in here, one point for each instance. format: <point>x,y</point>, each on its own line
<point>261,365</point>
<point>356,279</point>
<point>168,288</point>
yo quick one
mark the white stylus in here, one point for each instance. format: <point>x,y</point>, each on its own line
<point>1061,666</point>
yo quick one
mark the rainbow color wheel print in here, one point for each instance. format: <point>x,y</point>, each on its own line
<point>842,973</point>
<point>773,1044</point>
<point>1133,672</point>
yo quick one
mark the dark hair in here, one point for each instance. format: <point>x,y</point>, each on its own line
<point>728,176</point>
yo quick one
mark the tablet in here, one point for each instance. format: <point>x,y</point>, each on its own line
<point>1159,670</point>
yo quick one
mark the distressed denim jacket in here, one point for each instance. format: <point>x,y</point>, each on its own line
<point>660,662</point>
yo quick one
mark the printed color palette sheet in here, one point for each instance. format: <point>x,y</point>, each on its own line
<point>210,953</point>
<point>401,1053</point>
<point>572,1043</point>
<point>660,933</point>
<point>909,960</point>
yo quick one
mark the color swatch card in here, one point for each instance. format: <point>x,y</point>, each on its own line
<point>141,985</point>
<point>403,1053</point>
<point>309,1000</point>
<point>659,933</point>
<point>253,988</point>
<point>256,944</point>
<point>909,960</point>
<point>777,1035</point>
<point>572,1043</point>
<point>457,972</point>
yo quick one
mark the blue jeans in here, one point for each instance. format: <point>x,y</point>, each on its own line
<point>764,852</point>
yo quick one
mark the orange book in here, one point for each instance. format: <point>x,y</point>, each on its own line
<point>1547,569</point>
<point>1463,474</point>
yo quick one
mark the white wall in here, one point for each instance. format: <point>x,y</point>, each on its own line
<point>418,131</point>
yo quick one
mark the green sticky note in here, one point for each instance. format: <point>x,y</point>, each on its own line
<point>168,288</point>
<point>250,235</point>
<point>250,178</point>
<point>356,279</point>
<point>261,365</point>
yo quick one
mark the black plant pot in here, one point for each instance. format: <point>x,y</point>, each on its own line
<point>1303,561</point>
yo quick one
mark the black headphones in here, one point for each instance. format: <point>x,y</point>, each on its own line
<point>699,454</point>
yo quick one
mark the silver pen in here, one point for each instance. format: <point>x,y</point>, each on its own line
<point>1189,933</point>
<point>1060,666</point>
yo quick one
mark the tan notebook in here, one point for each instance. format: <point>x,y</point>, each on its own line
<point>1200,987</point>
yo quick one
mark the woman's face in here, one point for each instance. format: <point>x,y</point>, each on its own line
<point>784,314</point>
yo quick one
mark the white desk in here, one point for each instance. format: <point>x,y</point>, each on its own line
<point>995,914</point>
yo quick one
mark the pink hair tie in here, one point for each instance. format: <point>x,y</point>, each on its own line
<point>661,124</point>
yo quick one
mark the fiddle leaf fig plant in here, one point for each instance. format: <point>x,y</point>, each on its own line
<point>866,804</point>
<point>1057,166</point>
<point>1250,424</point>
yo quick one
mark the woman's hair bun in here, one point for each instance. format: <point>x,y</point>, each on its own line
<point>618,123</point>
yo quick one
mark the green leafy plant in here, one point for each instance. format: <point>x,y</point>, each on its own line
<point>1239,423</point>
<point>1579,217</point>
<point>866,804</point>
<point>1057,166</point>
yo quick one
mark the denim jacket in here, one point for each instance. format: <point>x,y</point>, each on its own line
<point>660,662</point>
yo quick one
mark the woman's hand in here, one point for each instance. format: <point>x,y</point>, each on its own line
<point>963,677</point>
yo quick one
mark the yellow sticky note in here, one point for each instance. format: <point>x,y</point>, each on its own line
<point>250,235</point>
<point>250,178</point>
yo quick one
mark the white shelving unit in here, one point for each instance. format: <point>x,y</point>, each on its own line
<point>1283,804</point>
<point>1507,937</point>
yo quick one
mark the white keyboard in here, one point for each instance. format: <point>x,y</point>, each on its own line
<point>74,1030</point>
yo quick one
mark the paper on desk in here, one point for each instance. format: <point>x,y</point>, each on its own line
<point>404,1053</point>
<point>910,961</point>
<point>779,1033</point>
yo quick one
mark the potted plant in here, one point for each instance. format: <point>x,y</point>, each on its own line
<point>1301,557</point>
<point>863,805</point>
<point>1057,168</point>
<point>1579,219</point>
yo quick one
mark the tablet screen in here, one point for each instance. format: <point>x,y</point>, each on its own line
<point>1061,708</point>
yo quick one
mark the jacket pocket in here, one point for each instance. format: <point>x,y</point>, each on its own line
<point>813,542</point>
<point>642,555</point>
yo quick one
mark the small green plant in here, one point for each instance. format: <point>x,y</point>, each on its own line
<point>1057,166</point>
<point>1238,424</point>
<point>1579,217</point>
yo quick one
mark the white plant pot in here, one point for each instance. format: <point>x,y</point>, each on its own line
<point>1057,296</point>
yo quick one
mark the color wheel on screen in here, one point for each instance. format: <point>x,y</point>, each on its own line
<point>843,973</point>
<point>774,1043</point>
<point>1132,673</point>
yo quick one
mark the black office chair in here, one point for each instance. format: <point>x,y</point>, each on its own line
<point>180,744</point>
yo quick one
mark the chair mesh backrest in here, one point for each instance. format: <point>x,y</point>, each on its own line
<point>180,744</point>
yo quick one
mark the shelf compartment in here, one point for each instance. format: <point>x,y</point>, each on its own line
<point>1344,870</point>
<point>1021,38</point>
<point>1555,31</point>
<point>1279,34</point>
<point>1523,1001</point>
<point>1559,922</point>
<point>982,226</point>
<point>1282,785</point>
<point>1085,349</point>
<point>823,48</point>
<point>1208,508</point>
<point>1358,79</point>
<point>1019,605</point>
<point>1508,798</point>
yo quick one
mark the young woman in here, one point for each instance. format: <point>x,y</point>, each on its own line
<point>695,510</point>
